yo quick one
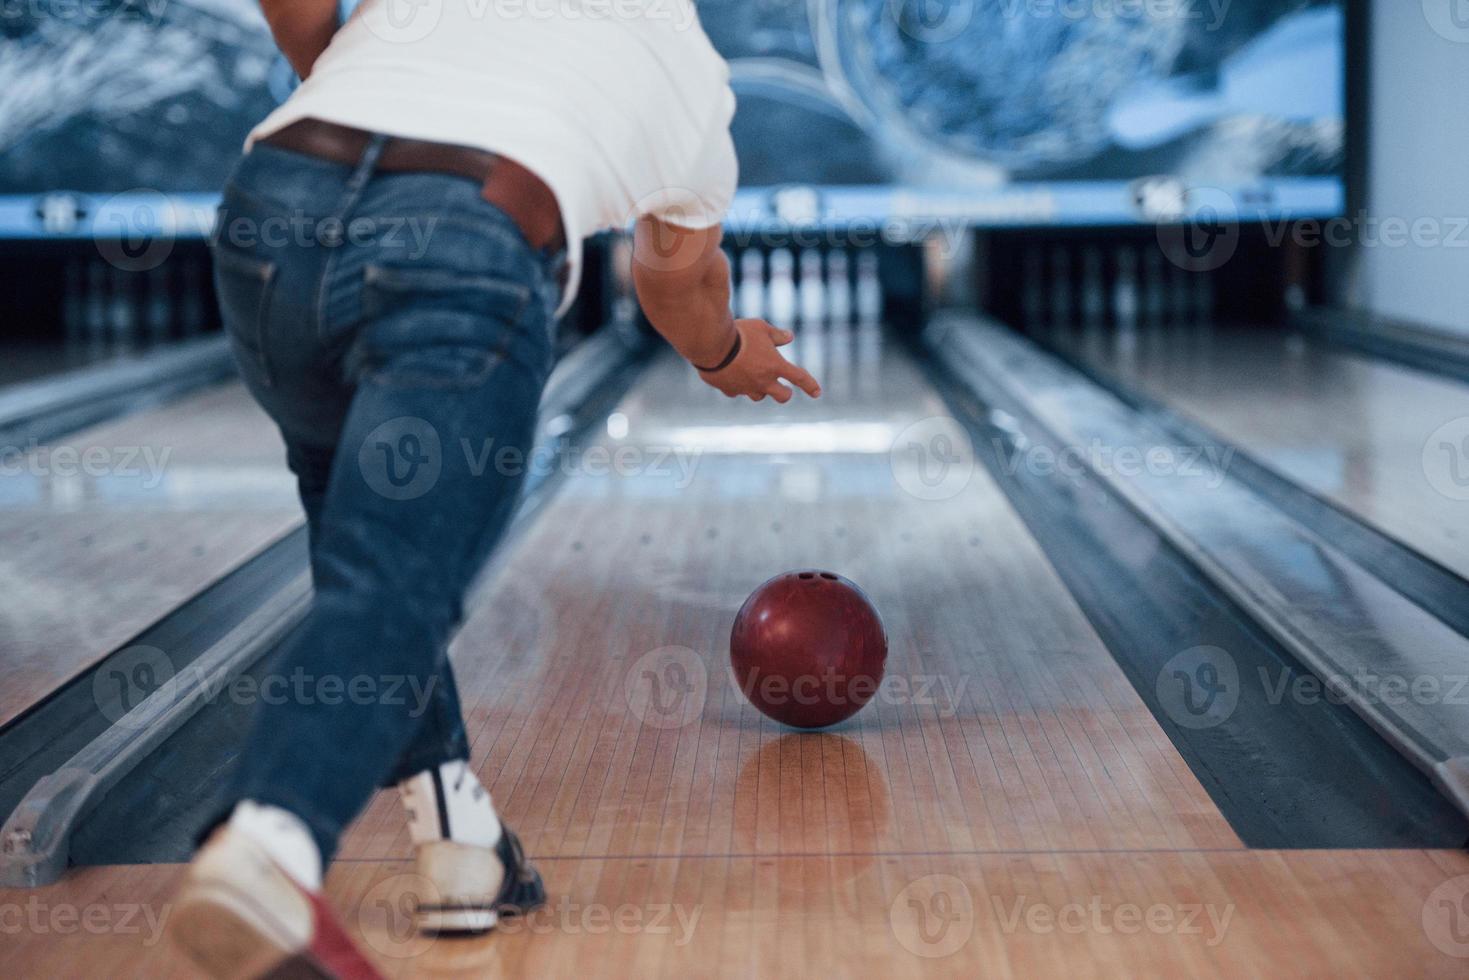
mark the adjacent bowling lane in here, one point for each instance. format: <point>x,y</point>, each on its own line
<point>106,531</point>
<point>25,363</point>
<point>1385,442</point>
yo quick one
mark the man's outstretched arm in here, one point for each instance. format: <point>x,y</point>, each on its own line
<point>682,279</point>
<point>302,29</point>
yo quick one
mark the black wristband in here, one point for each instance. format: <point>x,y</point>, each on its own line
<point>728,358</point>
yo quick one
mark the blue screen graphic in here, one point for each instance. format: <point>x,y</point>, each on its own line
<point>993,112</point>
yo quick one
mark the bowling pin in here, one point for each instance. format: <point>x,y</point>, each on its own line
<point>1124,296</point>
<point>734,279</point>
<point>1093,292</point>
<point>869,288</point>
<point>1204,297</point>
<point>813,288</point>
<point>1032,294</point>
<point>1154,298</point>
<point>838,287</point>
<point>752,284</point>
<point>159,304</point>
<point>1178,298</point>
<point>74,302</point>
<point>96,318</point>
<point>191,306</point>
<point>122,311</point>
<point>1295,297</point>
<point>1061,308</point>
<point>782,295</point>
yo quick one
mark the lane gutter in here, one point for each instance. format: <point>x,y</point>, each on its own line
<point>250,611</point>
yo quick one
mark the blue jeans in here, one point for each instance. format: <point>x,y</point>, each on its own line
<point>397,329</point>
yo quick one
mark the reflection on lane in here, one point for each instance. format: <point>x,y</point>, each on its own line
<point>1386,443</point>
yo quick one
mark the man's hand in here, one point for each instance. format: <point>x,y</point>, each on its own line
<point>759,368</point>
<point>682,279</point>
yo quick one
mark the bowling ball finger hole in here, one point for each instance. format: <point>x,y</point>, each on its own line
<point>806,576</point>
<point>828,576</point>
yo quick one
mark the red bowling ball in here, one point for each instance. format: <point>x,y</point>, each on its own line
<point>808,649</point>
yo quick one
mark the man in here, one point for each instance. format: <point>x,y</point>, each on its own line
<point>390,252</point>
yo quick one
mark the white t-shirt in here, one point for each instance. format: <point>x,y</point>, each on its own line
<point>621,106</point>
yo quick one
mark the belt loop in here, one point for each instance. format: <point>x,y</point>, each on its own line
<point>332,233</point>
<point>365,166</point>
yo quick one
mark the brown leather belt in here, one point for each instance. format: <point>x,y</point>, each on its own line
<point>522,195</point>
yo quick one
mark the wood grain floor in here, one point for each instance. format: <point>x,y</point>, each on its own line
<point>106,531</point>
<point>1003,722</point>
<point>1100,914</point>
<point>1005,807</point>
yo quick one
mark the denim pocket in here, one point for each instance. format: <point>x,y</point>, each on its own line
<point>244,284</point>
<point>435,327</point>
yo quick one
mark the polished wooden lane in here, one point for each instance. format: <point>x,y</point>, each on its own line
<point>1003,722</point>
<point>1228,914</point>
<point>105,531</point>
<point>1385,442</point>
<point>1005,807</point>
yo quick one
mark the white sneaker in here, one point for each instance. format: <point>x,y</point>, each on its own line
<point>475,863</point>
<point>248,906</point>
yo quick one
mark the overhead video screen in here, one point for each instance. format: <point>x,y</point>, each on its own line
<point>990,111</point>
<point>1045,111</point>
